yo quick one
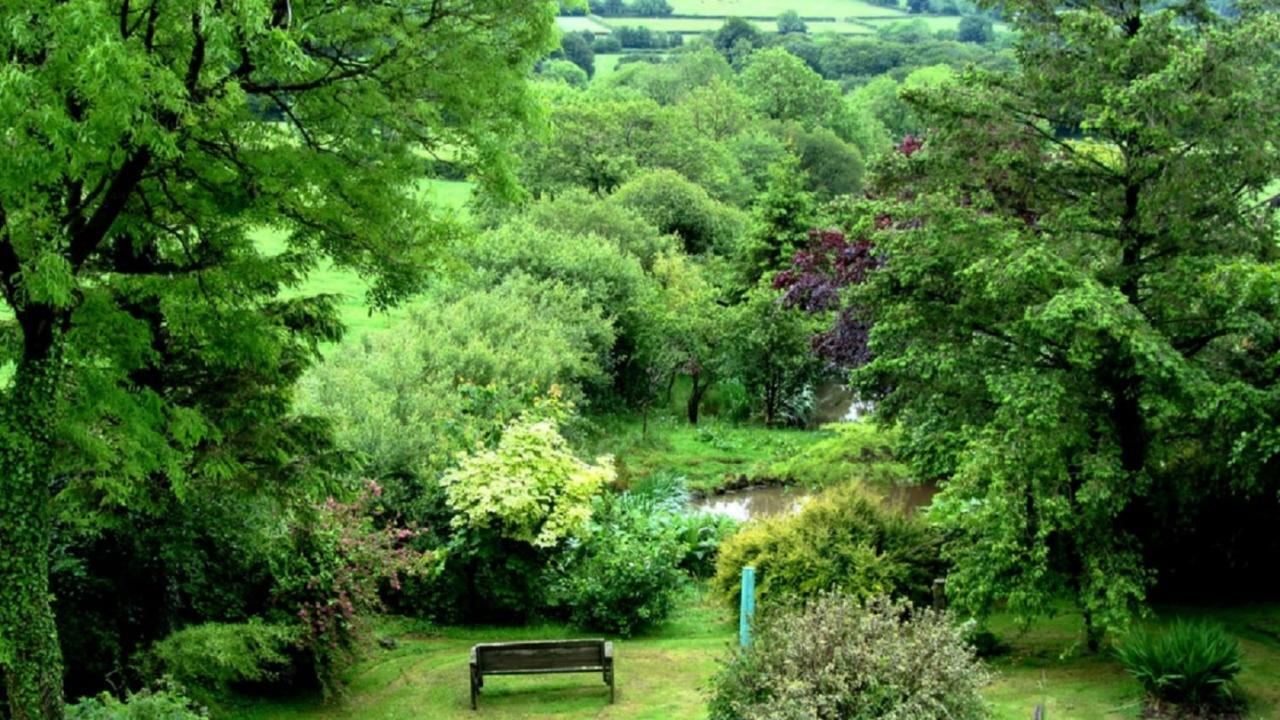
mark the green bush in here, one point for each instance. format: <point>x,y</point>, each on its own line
<point>673,204</point>
<point>626,574</point>
<point>162,704</point>
<point>1192,664</point>
<point>211,656</point>
<point>842,539</point>
<point>839,659</point>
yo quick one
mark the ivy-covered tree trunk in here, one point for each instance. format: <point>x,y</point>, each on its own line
<point>30,658</point>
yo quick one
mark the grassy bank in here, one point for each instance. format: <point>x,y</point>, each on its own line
<point>716,454</point>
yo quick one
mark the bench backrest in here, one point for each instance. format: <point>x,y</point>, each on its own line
<point>540,655</point>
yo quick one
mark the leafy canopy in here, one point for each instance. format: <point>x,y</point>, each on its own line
<point>1076,319</point>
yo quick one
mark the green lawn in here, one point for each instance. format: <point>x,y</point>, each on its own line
<point>662,675</point>
<point>1047,665</point>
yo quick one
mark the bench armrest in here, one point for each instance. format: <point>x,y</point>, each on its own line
<point>608,651</point>
<point>474,660</point>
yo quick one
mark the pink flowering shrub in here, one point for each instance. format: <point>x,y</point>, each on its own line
<point>340,560</point>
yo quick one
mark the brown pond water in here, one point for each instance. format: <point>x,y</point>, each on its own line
<point>769,500</point>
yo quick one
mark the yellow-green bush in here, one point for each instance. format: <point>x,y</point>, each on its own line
<point>843,539</point>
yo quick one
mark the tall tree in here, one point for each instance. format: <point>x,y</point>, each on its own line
<point>1077,318</point>
<point>139,157</point>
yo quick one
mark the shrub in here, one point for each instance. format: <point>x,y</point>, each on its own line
<point>675,205</point>
<point>515,507</point>
<point>843,540</point>
<point>1192,664</point>
<point>626,574</point>
<point>836,658</point>
<point>211,656</point>
<point>606,45</point>
<point>565,71</point>
<point>530,488</point>
<point>161,704</point>
<point>329,576</point>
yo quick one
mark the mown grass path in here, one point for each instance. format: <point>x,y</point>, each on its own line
<point>663,675</point>
<point>659,676</point>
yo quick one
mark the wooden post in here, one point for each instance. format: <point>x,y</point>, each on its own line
<point>939,594</point>
<point>748,605</point>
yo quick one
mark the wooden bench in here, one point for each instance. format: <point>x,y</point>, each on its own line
<point>538,657</point>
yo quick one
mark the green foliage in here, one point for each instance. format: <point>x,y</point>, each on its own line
<point>143,146</point>
<point>832,167</point>
<point>791,22</point>
<point>675,205</point>
<point>975,29</point>
<point>579,213</point>
<point>625,575</point>
<point>737,39</point>
<point>838,658</point>
<point>771,354</point>
<point>1056,329</point>
<point>577,49</point>
<point>530,488</point>
<point>458,370</point>
<point>161,704</point>
<point>780,86</point>
<point>687,332</point>
<point>565,72</point>
<point>328,575</point>
<point>211,657</point>
<point>782,217</point>
<point>1189,664</point>
<point>842,539</point>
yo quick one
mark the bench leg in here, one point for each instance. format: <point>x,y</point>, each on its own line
<point>608,677</point>
<point>475,689</point>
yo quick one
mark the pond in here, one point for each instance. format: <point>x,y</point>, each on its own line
<point>770,500</point>
<point>763,501</point>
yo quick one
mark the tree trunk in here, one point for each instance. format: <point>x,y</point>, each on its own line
<point>695,398</point>
<point>30,658</point>
<point>1092,633</point>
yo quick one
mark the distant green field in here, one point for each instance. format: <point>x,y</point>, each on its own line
<point>935,22</point>
<point>350,287</point>
<point>579,23</point>
<point>760,8</point>
<point>692,25</point>
<point>606,65</point>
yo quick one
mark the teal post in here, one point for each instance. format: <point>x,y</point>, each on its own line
<point>748,605</point>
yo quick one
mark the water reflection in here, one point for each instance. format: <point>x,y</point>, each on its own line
<point>753,502</point>
<point>773,500</point>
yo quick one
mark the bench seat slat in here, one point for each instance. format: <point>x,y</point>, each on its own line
<point>547,671</point>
